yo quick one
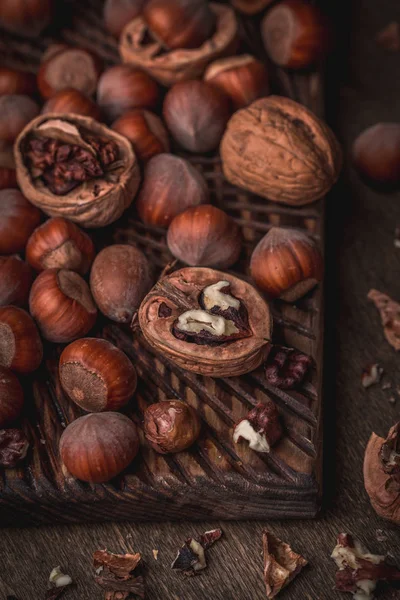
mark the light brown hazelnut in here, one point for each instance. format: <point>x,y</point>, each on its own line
<point>171,426</point>
<point>71,101</point>
<point>13,81</point>
<point>376,156</point>
<point>16,278</point>
<point>26,17</point>
<point>21,348</point>
<point>118,13</point>
<point>18,218</point>
<point>145,131</point>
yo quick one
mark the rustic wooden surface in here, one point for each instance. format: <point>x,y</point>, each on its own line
<point>361,255</point>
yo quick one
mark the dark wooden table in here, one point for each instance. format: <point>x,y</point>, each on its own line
<point>361,255</point>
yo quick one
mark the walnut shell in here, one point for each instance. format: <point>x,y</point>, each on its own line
<point>280,150</point>
<point>181,291</point>
<point>94,203</point>
<point>177,65</point>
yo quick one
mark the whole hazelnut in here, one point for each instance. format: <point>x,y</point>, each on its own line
<point>13,81</point>
<point>196,113</point>
<point>205,236</point>
<point>295,34</point>
<point>97,447</point>
<point>124,87</point>
<point>60,244</point>
<point>16,278</point>
<point>11,397</point>
<point>62,305</point>
<point>66,68</point>
<point>21,348</point>
<point>96,375</point>
<point>145,131</point>
<point>286,264</point>
<point>18,218</point>
<point>242,78</point>
<point>171,426</point>
<point>251,7</point>
<point>71,101</point>
<point>15,112</point>
<point>26,17</point>
<point>118,13</point>
<point>376,156</point>
<point>171,185</point>
<point>8,178</point>
<point>180,23</point>
<point>119,280</point>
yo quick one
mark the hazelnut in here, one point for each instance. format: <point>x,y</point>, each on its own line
<point>62,305</point>
<point>119,280</point>
<point>280,150</point>
<point>15,113</point>
<point>21,348</point>
<point>117,13</point>
<point>251,7</point>
<point>11,397</point>
<point>96,375</point>
<point>60,244</point>
<point>26,17</point>
<point>242,78</point>
<point>8,179</point>
<point>71,101</point>
<point>171,426</point>
<point>124,87</point>
<point>13,81</point>
<point>18,218</point>
<point>196,113</point>
<point>286,264</point>
<point>15,281</point>
<point>97,447</point>
<point>171,185</point>
<point>179,23</point>
<point>205,236</point>
<point>145,131</point>
<point>376,156</point>
<point>66,68</point>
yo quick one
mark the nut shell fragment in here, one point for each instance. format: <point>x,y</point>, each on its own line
<point>390,316</point>
<point>281,564</point>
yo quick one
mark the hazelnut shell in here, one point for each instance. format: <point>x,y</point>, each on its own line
<point>16,278</point>
<point>118,13</point>
<point>26,17</point>
<point>21,348</point>
<point>71,101</point>
<point>145,131</point>
<point>18,218</point>
<point>13,81</point>
<point>171,426</point>
<point>376,156</point>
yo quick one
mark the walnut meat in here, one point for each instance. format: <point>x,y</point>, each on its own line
<point>280,150</point>
<point>72,166</point>
<point>207,322</point>
<point>138,48</point>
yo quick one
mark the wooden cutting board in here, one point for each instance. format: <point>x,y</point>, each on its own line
<point>215,478</point>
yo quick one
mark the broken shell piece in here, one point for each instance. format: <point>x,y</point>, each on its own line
<point>191,557</point>
<point>390,316</point>
<point>59,579</point>
<point>115,574</point>
<point>262,427</point>
<point>281,564</point>
<point>371,375</point>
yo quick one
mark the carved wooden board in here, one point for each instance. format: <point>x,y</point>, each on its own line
<point>215,478</point>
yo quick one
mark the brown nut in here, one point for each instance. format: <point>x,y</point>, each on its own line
<point>196,113</point>
<point>242,78</point>
<point>286,368</point>
<point>62,305</point>
<point>118,13</point>
<point>171,426</point>
<point>66,67</point>
<point>13,81</point>
<point>205,236</point>
<point>20,344</point>
<point>71,101</point>
<point>376,156</point>
<point>60,244</point>
<point>208,322</point>
<point>280,150</point>
<point>15,113</point>
<point>119,280</point>
<point>138,48</point>
<point>26,17</point>
<point>13,447</point>
<point>145,131</point>
<point>8,179</point>
<point>16,278</point>
<point>124,87</point>
<point>11,397</point>
<point>74,167</point>
<point>295,34</point>
<point>251,7</point>
<point>286,264</point>
<point>261,428</point>
<point>96,375</point>
<point>179,23</point>
<point>97,447</point>
<point>171,185</point>
<point>18,218</point>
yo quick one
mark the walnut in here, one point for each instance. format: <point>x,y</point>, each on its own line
<point>281,564</point>
<point>207,322</point>
<point>138,48</point>
<point>261,428</point>
<point>286,367</point>
<point>280,150</point>
<point>74,167</point>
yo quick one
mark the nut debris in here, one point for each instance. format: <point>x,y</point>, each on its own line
<point>117,576</point>
<point>371,375</point>
<point>390,316</point>
<point>262,427</point>
<point>58,581</point>
<point>281,564</point>
<point>13,447</point>
<point>286,367</point>
<point>191,557</point>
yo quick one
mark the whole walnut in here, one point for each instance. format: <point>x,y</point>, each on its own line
<point>280,150</point>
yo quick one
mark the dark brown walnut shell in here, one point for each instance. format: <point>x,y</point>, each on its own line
<point>233,336</point>
<point>280,150</point>
<point>178,65</point>
<point>96,202</point>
